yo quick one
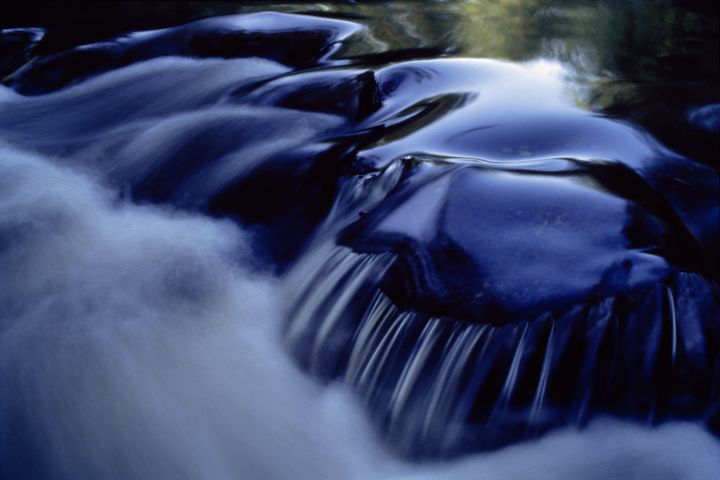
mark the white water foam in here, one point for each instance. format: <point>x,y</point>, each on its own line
<point>139,351</point>
<point>134,345</point>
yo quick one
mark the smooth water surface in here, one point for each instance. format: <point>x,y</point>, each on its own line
<point>485,230</point>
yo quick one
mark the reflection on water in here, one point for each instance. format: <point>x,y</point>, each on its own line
<point>654,62</point>
<point>479,211</point>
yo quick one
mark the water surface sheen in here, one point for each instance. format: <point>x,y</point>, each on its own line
<point>483,248</point>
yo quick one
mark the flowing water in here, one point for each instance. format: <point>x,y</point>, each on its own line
<point>436,240</point>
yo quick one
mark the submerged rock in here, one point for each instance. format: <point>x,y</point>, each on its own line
<point>480,258</point>
<point>479,304</point>
<point>500,244</point>
<point>16,46</point>
<point>502,266</point>
<point>294,40</point>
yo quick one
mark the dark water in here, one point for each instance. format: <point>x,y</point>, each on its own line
<point>490,219</point>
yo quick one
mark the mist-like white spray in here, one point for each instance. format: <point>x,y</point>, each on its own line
<point>133,345</point>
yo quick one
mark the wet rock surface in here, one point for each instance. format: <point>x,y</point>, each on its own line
<point>479,256</point>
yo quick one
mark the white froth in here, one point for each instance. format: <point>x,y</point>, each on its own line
<point>134,345</point>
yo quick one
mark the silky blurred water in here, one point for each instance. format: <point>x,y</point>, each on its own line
<point>132,345</point>
<point>143,340</point>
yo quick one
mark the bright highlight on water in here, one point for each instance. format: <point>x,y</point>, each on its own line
<point>338,244</point>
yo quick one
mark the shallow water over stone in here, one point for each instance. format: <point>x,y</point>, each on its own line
<point>483,249</point>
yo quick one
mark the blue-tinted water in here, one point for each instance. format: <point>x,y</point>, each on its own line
<point>472,225</point>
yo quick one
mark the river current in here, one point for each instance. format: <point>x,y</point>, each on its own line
<point>330,244</point>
